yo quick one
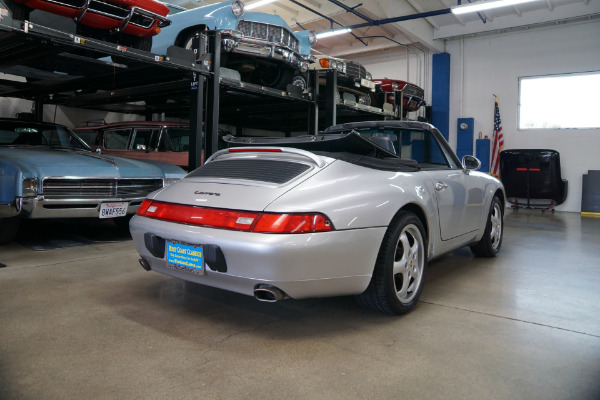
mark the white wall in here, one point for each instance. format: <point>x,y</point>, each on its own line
<point>492,64</point>
<point>70,117</point>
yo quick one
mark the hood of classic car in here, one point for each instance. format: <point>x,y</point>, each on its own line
<point>61,162</point>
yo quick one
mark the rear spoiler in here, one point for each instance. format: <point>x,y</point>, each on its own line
<point>269,149</point>
<point>351,142</point>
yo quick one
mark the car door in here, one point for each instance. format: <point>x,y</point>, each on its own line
<point>459,197</point>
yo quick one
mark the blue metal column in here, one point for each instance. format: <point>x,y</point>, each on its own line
<point>464,137</point>
<point>440,93</point>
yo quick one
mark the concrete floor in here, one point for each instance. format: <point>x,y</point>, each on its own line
<point>86,322</point>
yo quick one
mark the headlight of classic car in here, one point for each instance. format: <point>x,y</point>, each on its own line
<point>30,187</point>
<point>394,85</point>
<point>369,76</point>
<point>237,7</point>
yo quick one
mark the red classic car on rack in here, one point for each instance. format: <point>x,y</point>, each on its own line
<point>127,22</point>
<point>412,95</point>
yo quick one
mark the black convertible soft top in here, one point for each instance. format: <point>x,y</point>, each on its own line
<point>350,147</point>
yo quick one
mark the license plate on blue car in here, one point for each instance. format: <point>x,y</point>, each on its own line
<point>113,210</point>
<point>185,257</point>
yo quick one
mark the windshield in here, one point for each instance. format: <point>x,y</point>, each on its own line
<point>180,138</point>
<point>410,144</point>
<point>36,134</point>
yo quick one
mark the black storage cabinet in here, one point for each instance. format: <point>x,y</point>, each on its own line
<point>532,174</point>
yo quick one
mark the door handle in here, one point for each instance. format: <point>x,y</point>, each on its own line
<point>439,186</point>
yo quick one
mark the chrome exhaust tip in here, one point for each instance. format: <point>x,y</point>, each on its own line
<point>268,293</point>
<point>145,264</point>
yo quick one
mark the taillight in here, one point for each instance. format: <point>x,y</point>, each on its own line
<point>235,220</point>
<point>292,223</point>
<point>144,207</point>
<point>201,216</point>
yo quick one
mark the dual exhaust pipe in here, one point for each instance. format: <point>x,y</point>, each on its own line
<point>268,293</point>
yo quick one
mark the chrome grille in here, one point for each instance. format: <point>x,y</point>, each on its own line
<point>108,9</point>
<point>270,33</point>
<point>64,188</point>
<point>355,70</point>
<point>141,20</point>
<point>413,90</point>
<point>119,13</point>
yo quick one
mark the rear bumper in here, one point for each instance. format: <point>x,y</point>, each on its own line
<point>302,265</point>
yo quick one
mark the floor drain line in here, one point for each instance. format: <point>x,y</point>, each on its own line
<point>512,319</point>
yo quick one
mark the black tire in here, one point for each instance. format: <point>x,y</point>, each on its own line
<point>490,243</point>
<point>9,228</point>
<point>300,81</point>
<point>273,76</point>
<point>140,43</point>
<point>185,40</point>
<point>399,272</point>
<point>373,101</point>
<point>364,99</point>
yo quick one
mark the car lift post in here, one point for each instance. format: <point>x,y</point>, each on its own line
<point>213,95</point>
<point>313,108</point>
<point>330,97</point>
<point>197,107</point>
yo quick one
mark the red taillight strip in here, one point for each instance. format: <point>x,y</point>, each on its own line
<point>201,216</point>
<point>236,220</point>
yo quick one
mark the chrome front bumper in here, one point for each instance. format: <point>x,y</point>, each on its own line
<point>236,42</point>
<point>39,207</point>
<point>12,209</point>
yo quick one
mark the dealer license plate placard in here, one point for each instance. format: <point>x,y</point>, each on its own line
<point>113,210</point>
<point>185,257</point>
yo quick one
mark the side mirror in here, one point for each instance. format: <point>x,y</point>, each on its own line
<point>98,150</point>
<point>471,163</point>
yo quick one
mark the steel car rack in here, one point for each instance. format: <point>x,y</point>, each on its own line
<point>334,110</point>
<point>60,67</point>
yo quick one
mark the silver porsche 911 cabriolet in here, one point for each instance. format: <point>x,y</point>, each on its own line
<point>357,210</point>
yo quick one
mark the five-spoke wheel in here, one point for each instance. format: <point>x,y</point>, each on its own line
<point>399,272</point>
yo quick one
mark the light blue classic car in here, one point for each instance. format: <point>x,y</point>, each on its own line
<point>260,46</point>
<point>46,171</point>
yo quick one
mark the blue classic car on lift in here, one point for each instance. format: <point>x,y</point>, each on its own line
<point>46,171</point>
<point>261,47</point>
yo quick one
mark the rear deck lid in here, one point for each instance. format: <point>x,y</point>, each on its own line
<point>244,179</point>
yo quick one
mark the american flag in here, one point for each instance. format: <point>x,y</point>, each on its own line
<point>498,142</point>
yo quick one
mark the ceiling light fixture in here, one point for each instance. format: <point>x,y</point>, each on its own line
<point>258,4</point>
<point>486,5</point>
<point>334,32</point>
